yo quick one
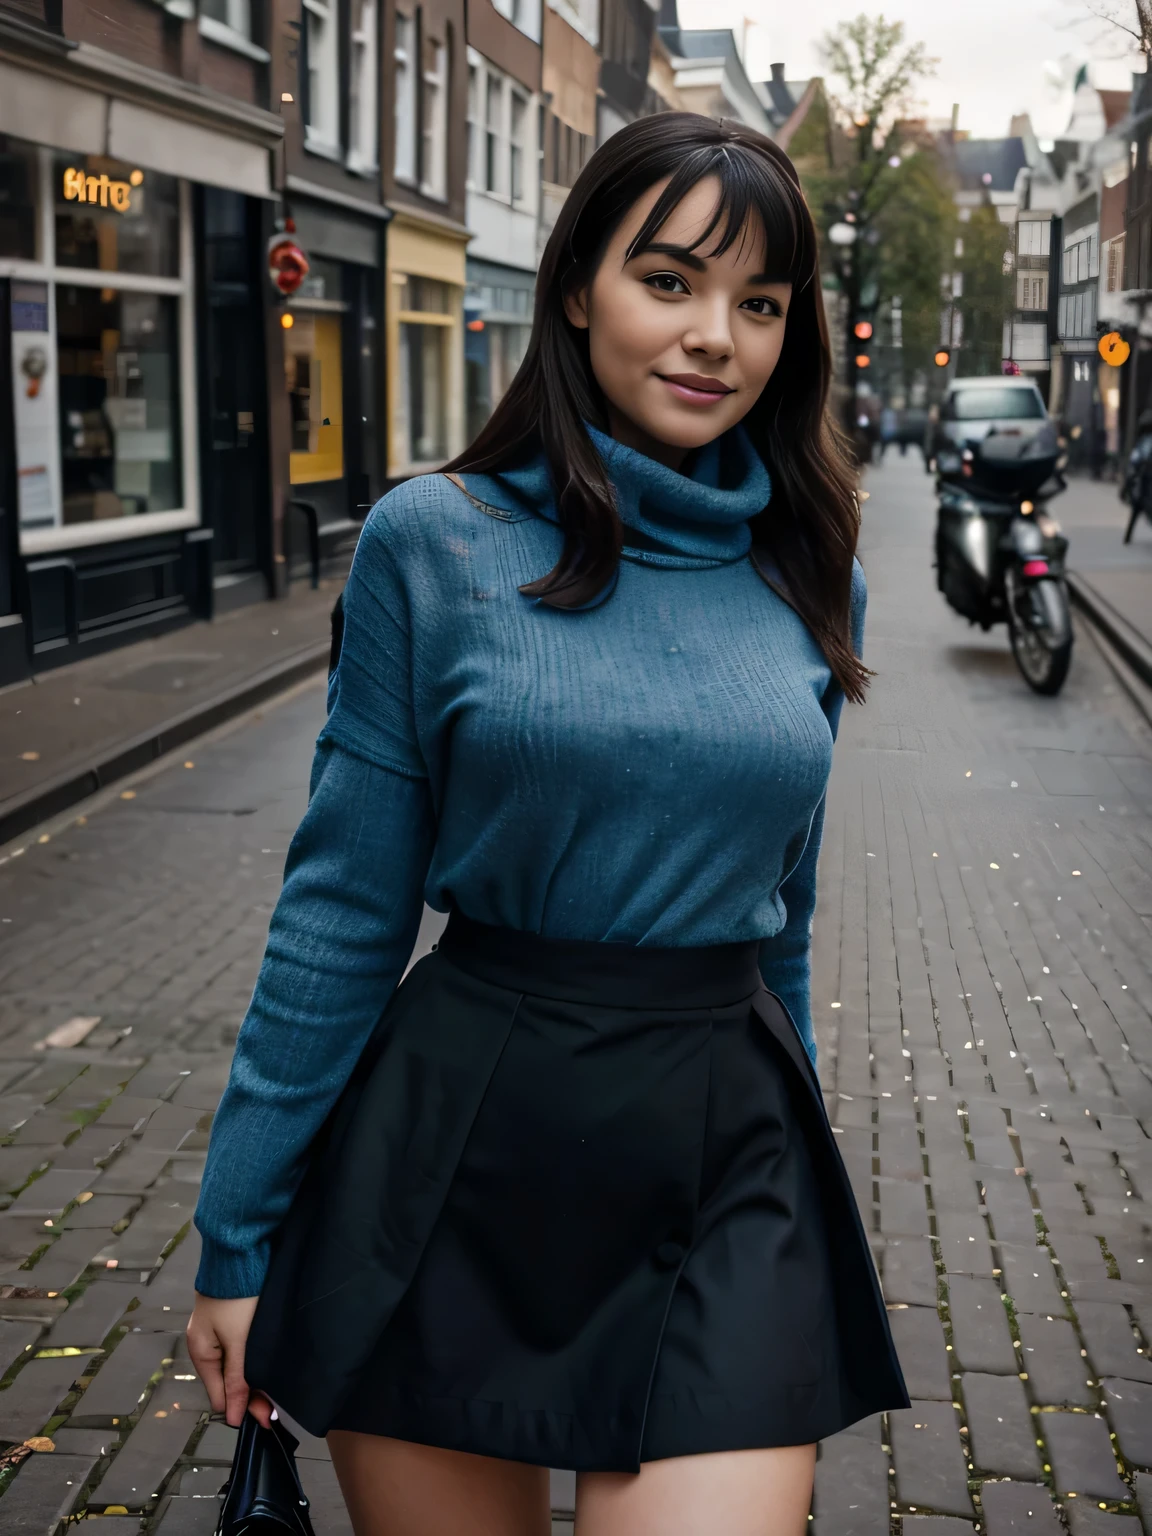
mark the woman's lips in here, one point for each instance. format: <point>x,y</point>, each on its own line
<point>694,389</point>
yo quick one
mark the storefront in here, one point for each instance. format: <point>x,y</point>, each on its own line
<point>334,376</point>
<point>107,431</point>
<point>425,297</point>
<point>498,322</point>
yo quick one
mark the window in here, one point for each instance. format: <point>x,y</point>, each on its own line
<point>363,125</point>
<point>1114,264</point>
<point>1032,290</point>
<point>19,180</point>
<point>1033,237</point>
<point>994,403</point>
<point>493,133</point>
<point>236,15</point>
<point>434,120</point>
<point>424,309</point>
<point>1029,342</point>
<point>475,75</point>
<point>119,409</point>
<point>405,58</point>
<point>519,122</point>
<point>112,217</point>
<point>322,55</point>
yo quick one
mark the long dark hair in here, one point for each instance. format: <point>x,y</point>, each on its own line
<point>810,527</point>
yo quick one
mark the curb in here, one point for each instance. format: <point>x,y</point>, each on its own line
<point>22,812</point>
<point>1127,641</point>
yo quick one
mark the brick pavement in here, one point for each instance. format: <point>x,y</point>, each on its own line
<point>983,995</point>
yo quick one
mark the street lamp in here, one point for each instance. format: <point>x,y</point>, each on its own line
<point>843,234</point>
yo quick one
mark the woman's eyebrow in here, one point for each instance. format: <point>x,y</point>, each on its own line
<point>681,253</point>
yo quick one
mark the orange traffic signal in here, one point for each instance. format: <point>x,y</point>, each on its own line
<point>943,357</point>
<point>863,360</point>
<point>862,330</point>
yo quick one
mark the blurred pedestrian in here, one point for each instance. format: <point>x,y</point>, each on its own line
<point>889,426</point>
<point>574,1200</point>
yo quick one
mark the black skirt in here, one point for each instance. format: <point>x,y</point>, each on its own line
<point>577,1207</point>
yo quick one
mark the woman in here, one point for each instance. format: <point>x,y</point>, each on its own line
<point>571,1201</point>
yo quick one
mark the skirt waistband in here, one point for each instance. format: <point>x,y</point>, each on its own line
<point>602,974</point>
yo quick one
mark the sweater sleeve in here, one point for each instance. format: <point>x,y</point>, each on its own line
<point>340,936</point>
<point>786,958</point>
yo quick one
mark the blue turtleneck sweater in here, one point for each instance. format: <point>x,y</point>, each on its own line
<point>648,770</point>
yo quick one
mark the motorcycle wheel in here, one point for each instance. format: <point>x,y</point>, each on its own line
<point>1042,642</point>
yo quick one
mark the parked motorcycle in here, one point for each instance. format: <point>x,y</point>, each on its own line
<point>999,554</point>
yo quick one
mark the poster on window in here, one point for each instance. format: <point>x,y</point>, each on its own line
<point>34,397</point>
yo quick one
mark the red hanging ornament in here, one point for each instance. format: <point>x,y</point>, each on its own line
<point>287,264</point>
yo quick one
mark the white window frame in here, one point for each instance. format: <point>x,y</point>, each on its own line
<point>523,14</point>
<point>363,97</point>
<point>38,541</point>
<point>1033,237</point>
<point>322,58</point>
<point>434,84</point>
<point>1031,290</point>
<point>406,97</point>
<point>518,146</point>
<point>493,172</point>
<point>476,82</point>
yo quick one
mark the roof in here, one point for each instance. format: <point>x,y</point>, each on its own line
<point>781,97</point>
<point>974,159</point>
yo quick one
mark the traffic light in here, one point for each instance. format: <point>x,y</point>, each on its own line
<point>942,358</point>
<point>862,333</point>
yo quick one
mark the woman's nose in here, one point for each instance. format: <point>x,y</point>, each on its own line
<point>711,333</point>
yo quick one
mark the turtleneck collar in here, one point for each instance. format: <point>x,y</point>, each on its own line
<point>699,519</point>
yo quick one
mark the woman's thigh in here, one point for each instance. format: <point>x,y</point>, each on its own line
<point>742,1493</point>
<point>399,1488</point>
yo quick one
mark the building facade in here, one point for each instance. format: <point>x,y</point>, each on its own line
<point>137,148</point>
<point>503,197</point>
<point>330,341</point>
<point>425,154</point>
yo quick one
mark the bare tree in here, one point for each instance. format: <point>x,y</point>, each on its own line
<point>1131,16</point>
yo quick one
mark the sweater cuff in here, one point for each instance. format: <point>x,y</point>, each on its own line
<point>228,1273</point>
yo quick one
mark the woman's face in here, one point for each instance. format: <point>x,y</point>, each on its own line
<point>681,343</point>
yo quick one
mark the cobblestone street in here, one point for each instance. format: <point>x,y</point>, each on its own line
<point>982,985</point>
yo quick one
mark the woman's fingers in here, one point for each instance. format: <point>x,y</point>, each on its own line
<point>217,1333</point>
<point>207,1355</point>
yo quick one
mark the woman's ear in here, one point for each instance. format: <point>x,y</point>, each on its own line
<point>576,307</point>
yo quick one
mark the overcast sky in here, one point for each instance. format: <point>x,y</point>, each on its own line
<point>996,57</point>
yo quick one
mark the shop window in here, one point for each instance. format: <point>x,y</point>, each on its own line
<point>314,375</point>
<point>113,217</point>
<point>423,390</point>
<point>19,179</point>
<point>423,294</point>
<point>426,332</point>
<point>434,120</point>
<point>363,127</point>
<point>322,123</point>
<point>118,403</point>
<point>405,92</point>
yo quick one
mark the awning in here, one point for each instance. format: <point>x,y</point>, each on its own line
<point>44,109</point>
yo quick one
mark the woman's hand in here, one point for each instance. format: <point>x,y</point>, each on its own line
<point>217,1332</point>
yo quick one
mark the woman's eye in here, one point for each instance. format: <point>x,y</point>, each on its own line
<point>762,306</point>
<point>667,282</point>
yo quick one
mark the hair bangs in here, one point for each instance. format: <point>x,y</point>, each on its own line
<point>754,197</point>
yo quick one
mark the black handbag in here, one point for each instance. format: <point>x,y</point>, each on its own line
<point>263,1496</point>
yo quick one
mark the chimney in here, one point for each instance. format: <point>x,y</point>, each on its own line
<point>778,73</point>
